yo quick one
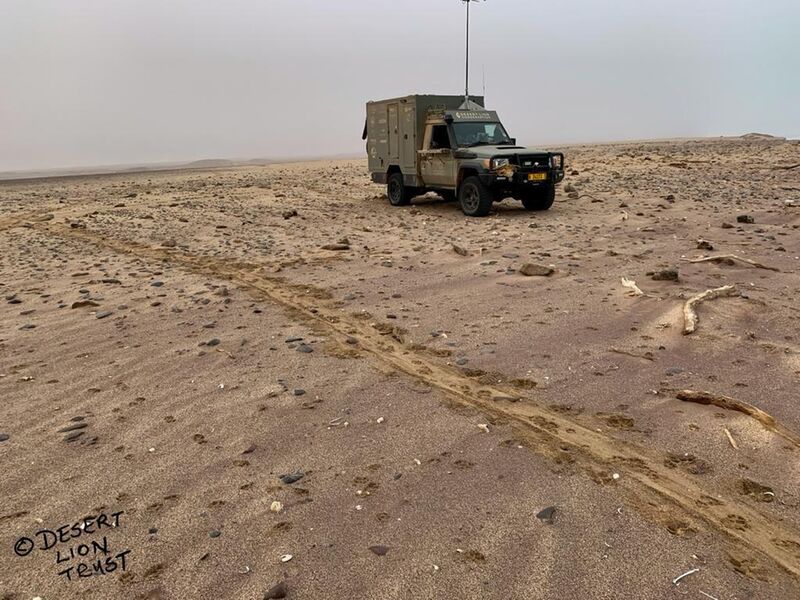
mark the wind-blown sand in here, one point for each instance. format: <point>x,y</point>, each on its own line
<point>173,343</point>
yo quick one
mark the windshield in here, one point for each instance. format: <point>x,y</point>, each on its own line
<point>477,134</point>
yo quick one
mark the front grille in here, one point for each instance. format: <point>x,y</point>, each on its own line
<point>533,162</point>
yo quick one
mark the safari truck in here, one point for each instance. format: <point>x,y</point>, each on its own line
<point>458,149</point>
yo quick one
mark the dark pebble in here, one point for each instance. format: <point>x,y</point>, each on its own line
<point>214,534</point>
<point>103,314</point>
<point>745,219</point>
<point>299,392</point>
<point>547,515</point>
<point>74,427</point>
<point>291,478</point>
<point>379,550</point>
<point>289,340</point>
<point>153,530</point>
<point>276,592</point>
<point>73,436</point>
<point>213,342</point>
<point>305,349</point>
<point>4,437</point>
<point>666,275</point>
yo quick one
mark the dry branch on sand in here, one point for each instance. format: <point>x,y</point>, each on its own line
<point>727,403</point>
<point>689,312</point>
<point>731,258</point>
<point>632,287</point>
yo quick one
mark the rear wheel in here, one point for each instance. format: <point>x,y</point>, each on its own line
<point>397,191</point>
<point>540,199</point>
<point>475,199</point>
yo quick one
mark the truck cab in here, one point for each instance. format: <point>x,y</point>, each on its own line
<point>461,151</point>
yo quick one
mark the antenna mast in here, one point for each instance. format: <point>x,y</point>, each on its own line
<point>466,86</point>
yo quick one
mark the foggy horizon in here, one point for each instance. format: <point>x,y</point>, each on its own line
<point>125,82</point>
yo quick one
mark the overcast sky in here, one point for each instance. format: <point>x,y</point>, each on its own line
<point>96,82</point>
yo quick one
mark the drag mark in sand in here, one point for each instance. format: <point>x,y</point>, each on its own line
<point>655,489</point>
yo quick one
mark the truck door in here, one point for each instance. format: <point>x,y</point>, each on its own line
<point>394,130</point>
<point>437,164</point>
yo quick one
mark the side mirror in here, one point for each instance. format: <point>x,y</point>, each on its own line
<point>514,141</point>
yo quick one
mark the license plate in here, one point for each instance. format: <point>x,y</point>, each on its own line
<point>537,176</point>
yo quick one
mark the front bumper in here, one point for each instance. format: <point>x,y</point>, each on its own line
<point>520,181</point>
<point>514,180</point>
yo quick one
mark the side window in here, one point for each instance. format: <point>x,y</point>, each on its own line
<point>439,137</point>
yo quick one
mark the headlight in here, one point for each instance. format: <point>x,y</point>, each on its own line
<point>499,162</point>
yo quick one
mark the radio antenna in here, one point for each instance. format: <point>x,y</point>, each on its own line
<point>466,86</point>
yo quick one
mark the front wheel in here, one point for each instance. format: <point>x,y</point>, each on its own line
<point>475,199</point>
<point>540,199</point>
<point>397,191</point>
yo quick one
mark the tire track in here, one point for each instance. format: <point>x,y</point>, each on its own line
<point>655,489</point>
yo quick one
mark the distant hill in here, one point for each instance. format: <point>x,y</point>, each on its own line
<point>762,136</point>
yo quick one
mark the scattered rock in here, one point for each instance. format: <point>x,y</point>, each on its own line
<point>532,270</point>
<point>745,219</point>
<point>305,349</point>
<point>704,245</point>
<point>379,550</point>
<point>336,247</point>
<point>74,427</point>
<point>291,478</point>
<point>665,275</point>
<point>214,533</point>
<point>103,314</point>
<point>4,437</point>
<point>277,591</point>
<point>460,250</point>
<point>73,436</point>
<point>547,515</point>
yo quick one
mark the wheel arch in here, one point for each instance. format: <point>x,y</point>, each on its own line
<point>464,172</point>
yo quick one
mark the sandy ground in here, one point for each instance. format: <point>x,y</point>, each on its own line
<point>171,344</point>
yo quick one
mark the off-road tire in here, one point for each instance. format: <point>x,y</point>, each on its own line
<point>399,194</point>
<point>540,199</point>
<point>475,199</point>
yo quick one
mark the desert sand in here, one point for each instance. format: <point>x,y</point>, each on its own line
<point>271,383</point>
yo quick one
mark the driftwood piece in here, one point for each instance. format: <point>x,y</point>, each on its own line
<point>631,285</point>
<point>689,312</point>
<point>731,257</point>
<point>730,438</point>
<point>727,403</point>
